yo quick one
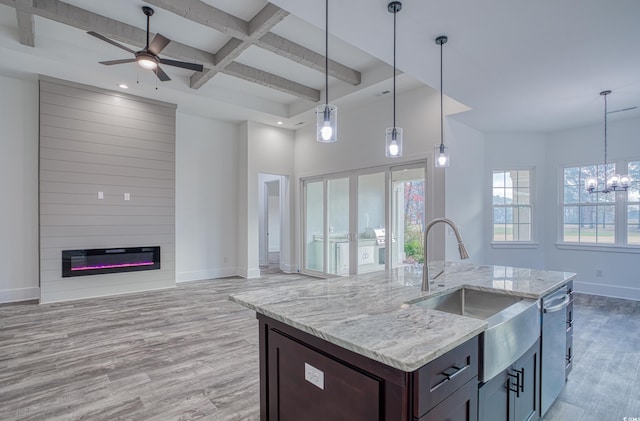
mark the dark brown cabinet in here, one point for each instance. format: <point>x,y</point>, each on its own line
<point>461,405</point>
<point>513,395</point>
<point>300,392</point>
<point>303,377</point>
<point>442,387</point>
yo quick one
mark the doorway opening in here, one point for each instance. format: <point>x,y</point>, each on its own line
<point>271,222</point>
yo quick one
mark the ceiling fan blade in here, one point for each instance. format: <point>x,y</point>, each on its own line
<point>105,39</point>
<point>112,62</point>
<point>158,44</point>
<point>182,64</point>
<point>162,75</point>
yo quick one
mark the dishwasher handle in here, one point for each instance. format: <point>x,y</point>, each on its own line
<point>565,302</point>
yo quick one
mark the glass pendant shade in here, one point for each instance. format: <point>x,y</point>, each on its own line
<point>393,137</point>
<point>591,184</point>
<point>441,156</point>
<point>327,123</point>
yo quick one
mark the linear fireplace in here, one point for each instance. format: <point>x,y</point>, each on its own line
<point>100,261</point>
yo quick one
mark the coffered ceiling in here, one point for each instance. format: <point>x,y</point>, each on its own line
<point>519,66</point>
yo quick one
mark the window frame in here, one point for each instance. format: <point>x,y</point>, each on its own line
<point>513,244</point>
<point>620,204</point>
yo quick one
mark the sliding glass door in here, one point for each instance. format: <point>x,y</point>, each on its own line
<point>407,215</point>
<point>345,220</point>
<point>338,243</point>
<point>314,226</point>
<point>371,222</point>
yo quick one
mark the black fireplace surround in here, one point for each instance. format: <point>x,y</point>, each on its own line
<point>101,261</point>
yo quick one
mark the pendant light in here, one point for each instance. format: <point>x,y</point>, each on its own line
<point>393,135</point>
<point>616,182</point>
<point>326,114</point>
<point>440,152</point>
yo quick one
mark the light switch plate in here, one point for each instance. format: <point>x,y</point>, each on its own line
<point>314,376</point>
<point>100,195</point>
<point>127,196</point>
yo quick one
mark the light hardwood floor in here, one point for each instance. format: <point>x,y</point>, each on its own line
<point>188,353</point>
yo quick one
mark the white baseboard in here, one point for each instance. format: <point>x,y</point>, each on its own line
<point>20,294</point>
<point>607,290</point>
<point>288,268</point>
<point>249,273</point>
<point>199,275</point>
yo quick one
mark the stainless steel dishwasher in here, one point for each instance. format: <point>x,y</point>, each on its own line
<point>554,343</point>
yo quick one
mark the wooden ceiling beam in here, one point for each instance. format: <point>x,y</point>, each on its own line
<point>261,23</point>
<point>26,29</point>
<point>309,58</point>
<point>223,22</point>
<point>68,14</point>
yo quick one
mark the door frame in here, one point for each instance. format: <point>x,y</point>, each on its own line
<point>353,211</point>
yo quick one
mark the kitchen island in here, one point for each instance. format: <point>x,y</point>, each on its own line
<point>375,351</point>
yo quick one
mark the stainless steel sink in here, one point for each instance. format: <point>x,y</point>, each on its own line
<point>513,324</point>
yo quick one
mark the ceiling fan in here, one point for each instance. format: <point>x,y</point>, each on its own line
<point>148,58</point>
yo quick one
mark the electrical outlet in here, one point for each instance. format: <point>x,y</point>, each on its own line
<point>100,195</point>
<point>598,273</point>
<point>314,376</point>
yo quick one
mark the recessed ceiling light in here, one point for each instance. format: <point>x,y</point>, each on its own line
<point>123,86</point>
<point>279,123</point>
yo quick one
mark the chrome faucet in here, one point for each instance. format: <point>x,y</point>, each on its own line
<point>461,248</point>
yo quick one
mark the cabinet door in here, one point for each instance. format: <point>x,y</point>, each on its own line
<point>459,406</point>
<point>307,385</point>
<point>527,375</point>
<point>493,399</point>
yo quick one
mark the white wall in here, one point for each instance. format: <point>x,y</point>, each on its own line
<point>465,192</point>
<point>517,151</point>
<point>585,146</point>
<point>19,278</point>
<point>206,198</point>
<point>268,150</point>
<point>361,129</point>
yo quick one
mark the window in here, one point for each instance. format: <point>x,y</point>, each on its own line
<point>588,217</point>
<point>512,213</point>
<point>633,205</point>
<point>601,218</point>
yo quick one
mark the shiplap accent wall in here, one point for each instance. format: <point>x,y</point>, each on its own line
<point>93,140</point>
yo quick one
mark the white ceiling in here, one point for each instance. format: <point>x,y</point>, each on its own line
<point>521,66</point>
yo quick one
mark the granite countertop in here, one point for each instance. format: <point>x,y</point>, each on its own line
<point>370,314</point>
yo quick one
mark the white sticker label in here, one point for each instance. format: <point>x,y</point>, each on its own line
<point>314,376</point>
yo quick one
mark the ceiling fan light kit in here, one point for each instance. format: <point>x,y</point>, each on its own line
<point>147,58</point>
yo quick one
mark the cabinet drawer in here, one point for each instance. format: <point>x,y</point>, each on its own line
<point>461,406</point>
<point>307,385</point>
<point>440,378</point>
